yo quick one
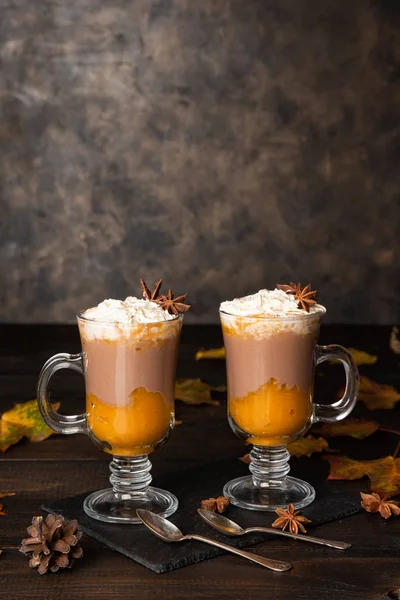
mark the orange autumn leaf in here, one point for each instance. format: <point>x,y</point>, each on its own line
<point>23,420</point>
<point>211,353</point>
<point>307,445</point>
<point>377,395</point>
<point>2,511</point>
<point>6,494</point>
<point>195,391</point>
<point>384,473</point>
<point>356,428</point>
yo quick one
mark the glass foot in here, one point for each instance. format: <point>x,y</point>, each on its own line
<point>244,493</point>
<point>106,505</point>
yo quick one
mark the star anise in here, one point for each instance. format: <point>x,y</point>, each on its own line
<point>374,503</point>
<point>174,306</point>
<point>146,292</point>
<point>289,519</point>
<point>218,505</point>
<point>304,295</point>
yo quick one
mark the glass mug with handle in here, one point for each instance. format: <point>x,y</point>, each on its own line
<point>129,371</point>
<point>270,362</point>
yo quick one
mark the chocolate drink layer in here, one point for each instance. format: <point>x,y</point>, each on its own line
<point>114,369</point>
<point>286,357</point>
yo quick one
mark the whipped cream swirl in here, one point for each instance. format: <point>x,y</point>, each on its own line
<point>130,310</point>
<point>268,303</point>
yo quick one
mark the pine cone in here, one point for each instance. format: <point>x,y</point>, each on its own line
<point>53,543</point>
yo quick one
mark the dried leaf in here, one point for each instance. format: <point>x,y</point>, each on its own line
<point>2,511</point>
<point>23,420</point>
<point>307,445</point>
<point>374,503</point>
<point>195,391</point>
<point>395,340</point>
<point>384,473</point>
<point>27,417</point>
<point>362,358</point>
<point>377,395</point>
<point>212,353</point>
<point>6,494</point>
<point>245,459</point>
<point>9,435</point>
<point>356,428</point>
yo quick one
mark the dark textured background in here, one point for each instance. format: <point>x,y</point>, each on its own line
<point>222,144</point>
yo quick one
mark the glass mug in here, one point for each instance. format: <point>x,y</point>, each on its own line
<point>270,366</point>
<point>129,372</point>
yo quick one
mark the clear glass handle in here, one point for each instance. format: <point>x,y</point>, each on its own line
<point>60,423</point>
<point>343,407</point>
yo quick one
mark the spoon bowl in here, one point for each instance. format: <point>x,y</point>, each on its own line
<point>161,527</point>
<point>221,523</point>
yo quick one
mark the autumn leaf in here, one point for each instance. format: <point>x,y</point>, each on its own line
<point>27,416</point>
<point>307,445</point>
<point>302,447</point>
<point>6,494</point>
<point>384,473</point>
<point>362,358</point>
<point>212,353</point>
<point>356,428</point>
<point>9,434</point>
<point>2,511</point>
<point>23,420</point>
<point>195,391</point>
<point>245,459</point>
<point>377,395</point>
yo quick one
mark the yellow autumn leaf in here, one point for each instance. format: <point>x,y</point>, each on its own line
<point>211,353</point>
<point>195,391</point>
<point>384,473</point>
<point>377,395</point>
<point>307,445</point>
<point>23,420</point>
<point>362,358</point>
<point>9,434</point>
<point>356,428</point>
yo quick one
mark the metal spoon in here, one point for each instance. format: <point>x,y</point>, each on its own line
<point>231,528</point>
<point>168,532</point>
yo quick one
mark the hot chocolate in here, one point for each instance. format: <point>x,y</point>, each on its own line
<point>270,344</point>
<point>130,352</point>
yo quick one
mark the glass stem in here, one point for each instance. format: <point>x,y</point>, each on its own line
<point>130,476</point>
<point>269,466</point>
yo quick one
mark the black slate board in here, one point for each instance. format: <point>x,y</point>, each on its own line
<point>137,542</point>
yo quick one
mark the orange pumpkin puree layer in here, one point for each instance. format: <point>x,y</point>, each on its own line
<point>272,415</point>
<point>133,428</point>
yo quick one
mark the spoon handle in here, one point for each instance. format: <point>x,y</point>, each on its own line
<point>275,565</point>
<point>303,538</point>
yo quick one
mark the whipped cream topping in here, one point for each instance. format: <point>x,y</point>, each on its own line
<point>268,303</point>
<point>130,310</point>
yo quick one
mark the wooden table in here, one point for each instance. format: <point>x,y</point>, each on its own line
<point>64,465</point>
